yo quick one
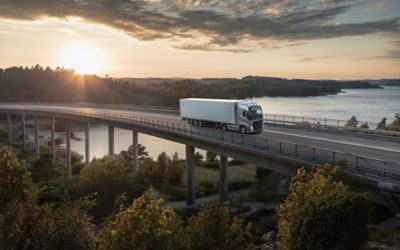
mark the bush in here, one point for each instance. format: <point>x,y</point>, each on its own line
<point>352,122</point>
<point>144,225</point>
<point>212,228</point>
<point>395,125</point>
<point>107,178</point>
<point>382,124</point>
<point>322,213</point>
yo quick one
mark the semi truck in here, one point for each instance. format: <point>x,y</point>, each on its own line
<point>243,116</point>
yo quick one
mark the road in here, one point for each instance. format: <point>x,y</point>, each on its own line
<point>375,147</point>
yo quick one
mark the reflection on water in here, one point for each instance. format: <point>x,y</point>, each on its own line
<point>123,138</point>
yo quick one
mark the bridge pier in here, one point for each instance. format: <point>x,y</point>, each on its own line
<point>9,135</point>
<point>68,148</point>
<point>190,176</point>
<point>87,143</point>
<point>53,141</point>
<point>223,178</point>
<point>135,147</point>
<point>111,141</point>
<point>37,142</point>
<point>23,129</point>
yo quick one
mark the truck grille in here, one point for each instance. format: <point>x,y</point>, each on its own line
<point>257,125</point>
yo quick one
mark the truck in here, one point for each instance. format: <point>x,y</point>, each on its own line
<point>244,116</point>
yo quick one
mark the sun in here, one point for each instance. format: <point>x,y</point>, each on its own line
<point>83,58</point>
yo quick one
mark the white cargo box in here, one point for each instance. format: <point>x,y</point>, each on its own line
<point>213,110</point>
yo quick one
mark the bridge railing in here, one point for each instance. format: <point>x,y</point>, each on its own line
<point>362,166</point>
<point>327,123</point>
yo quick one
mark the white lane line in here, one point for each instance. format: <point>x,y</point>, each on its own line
<point>337,141</point>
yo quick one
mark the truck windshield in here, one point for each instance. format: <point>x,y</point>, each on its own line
<point>255,112</point>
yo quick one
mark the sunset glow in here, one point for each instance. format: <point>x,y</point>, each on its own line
<point>300,39</point>
<point>82,58</point>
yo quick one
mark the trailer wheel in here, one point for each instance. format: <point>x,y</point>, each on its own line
<point>242,129</point>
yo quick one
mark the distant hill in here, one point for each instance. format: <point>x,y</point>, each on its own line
<point>388,82</point>
<point>38,84</point>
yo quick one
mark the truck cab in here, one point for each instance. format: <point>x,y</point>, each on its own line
<point>249,117</point>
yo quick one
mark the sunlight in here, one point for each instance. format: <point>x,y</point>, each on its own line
<point>82,58</point>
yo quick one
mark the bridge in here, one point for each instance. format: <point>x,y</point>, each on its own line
<point>375,159</point>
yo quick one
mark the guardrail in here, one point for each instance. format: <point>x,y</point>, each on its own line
<point>358,165</point>
<point>326,123</point>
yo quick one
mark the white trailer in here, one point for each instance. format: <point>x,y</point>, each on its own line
<point>239,115</point>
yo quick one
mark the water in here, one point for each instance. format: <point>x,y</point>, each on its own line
<point>366,104</point>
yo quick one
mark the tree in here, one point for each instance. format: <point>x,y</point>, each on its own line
<point>65,225</point>
<point>364,125</point>
<point>321,212</point>
<point>14,178</point>
<point>198,159</point>
<point>352,122</point>
<point>213,228</point>
<point>174,172</point>
<point>395,125</point>
<point>24,224</point>
<point>382,124</point>
<point>107,177</point>
<point>43,171</point>
<point>144,225</point>
<point>142,154</point>
<point>211,157</point>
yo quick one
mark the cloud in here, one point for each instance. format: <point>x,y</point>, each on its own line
<point>223,25</point>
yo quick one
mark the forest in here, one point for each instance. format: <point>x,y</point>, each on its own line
<point>38,84</point>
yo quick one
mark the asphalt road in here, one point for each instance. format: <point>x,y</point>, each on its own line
<point>341,142</point>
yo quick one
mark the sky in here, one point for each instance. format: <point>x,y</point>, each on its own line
<point>324,39</point>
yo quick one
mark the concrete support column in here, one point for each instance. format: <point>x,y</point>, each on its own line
<point>190,176</point>
<point>87,143</point>
<point>68,148</point>
<point>37,142</point>
<point>111,141</point>
<point>223,178</point>
<point>135,146</point>
<point>53,140</point>
<point>23,129</point>
<point>9,135</point>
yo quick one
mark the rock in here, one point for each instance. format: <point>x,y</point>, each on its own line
<point>269,237</point>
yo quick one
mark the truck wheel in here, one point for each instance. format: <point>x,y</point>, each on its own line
<point>243,130</point>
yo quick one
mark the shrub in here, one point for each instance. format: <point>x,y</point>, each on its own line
<point>352,122</point>
<point>213,228</point>
<point>144,225</point>
<point>323,213</point>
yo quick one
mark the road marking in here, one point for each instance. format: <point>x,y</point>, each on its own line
<point>332,140</point>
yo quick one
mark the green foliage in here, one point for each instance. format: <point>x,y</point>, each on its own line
<point>36,84</point>
<point>14,178</point>
<point>382,124</point>
<point>44,172</point>
<point>65,225</point>
<point>24,224</point>
<point>128,155</point>
<point>395,125</point>
<point>321,212</point>
<point>364,125</point>
<point>144,225</point>
<point>212,228</point>
<point>211,157</point>
<point>107,177</point>
<point>352,122</point>
<point>198,159</point>
<point>165,169</point>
